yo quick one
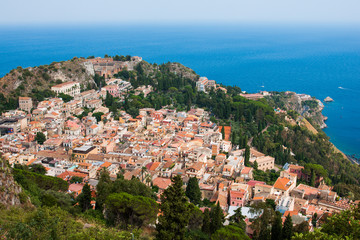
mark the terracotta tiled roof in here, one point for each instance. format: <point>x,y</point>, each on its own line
<point>246,170</point>
<point>281,183</point>
<point>105,165</point>
<point>154,166</point>
<point>68,174</point>
<point>162,183</point>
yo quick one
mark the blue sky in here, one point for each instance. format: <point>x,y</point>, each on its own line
<point>181,11</point>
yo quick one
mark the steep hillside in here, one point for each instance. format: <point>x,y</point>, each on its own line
<point>150,70</point>
<point>303,105</point>
<point>22,81</point>
<point>11,193</point>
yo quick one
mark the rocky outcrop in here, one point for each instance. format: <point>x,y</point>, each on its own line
<point>177,68</point>
<point>11,193</point>
<point>305,105</point>
<point>328,99</point>
<point>22,81</point>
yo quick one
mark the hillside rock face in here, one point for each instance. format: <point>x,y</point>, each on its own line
<point>295,102</point>
<point>10,191</point>
<point>174,67</point>
<point>21,81</point>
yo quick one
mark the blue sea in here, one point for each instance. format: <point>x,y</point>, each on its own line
<point>318,60</point>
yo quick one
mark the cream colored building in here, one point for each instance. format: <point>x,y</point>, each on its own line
<point>264,163</point>
<point>25,103</point>
<point>69,88</point>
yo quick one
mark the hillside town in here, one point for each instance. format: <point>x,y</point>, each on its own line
<point>155,146</point>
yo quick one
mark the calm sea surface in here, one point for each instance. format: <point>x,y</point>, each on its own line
<point>320,61</point>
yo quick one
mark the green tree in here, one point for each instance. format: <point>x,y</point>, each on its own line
<point>217,217</point>
<point>133,111</point>
<point>230,232</point>
<point>316,234</point>
<point>103,189</point>
<point>109,99</point>
<point>276,227</point>
<point>66,98</point>
<point>261,225</point>
<point>174,219</point>
<point>195,218</point>
<point>313,178</point>
<point>271,203</point>
<point>255,165</point>
<point>287,230</point>
<point>38,168</point>
<point>206,226</point>
<point>238,219</point>
<point>98,115</point>
<point>314,220</point>
<point>193,191</point>
<point>84,199</point>
<point>43,223</point>
<point>40,138</point>
<point>301,228</point>
<point>223,132</point>
<point>247,156</point>
<point>133,187</point>
<point>76,179</point>
<point>123,209</point>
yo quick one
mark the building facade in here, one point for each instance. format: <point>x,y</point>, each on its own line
<point>69,88</point>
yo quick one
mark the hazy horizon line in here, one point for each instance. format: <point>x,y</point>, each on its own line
<point>182,23</point>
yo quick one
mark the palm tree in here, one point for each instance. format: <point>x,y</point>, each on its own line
<point>143,169</point>
<point>148,179</point>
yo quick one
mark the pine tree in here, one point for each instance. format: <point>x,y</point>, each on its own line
<point>193,191</point>
<point>247,156</point>
<point>288,228</point>
<point>84,199</point>
<point>217,218</point>
<point>206,227</point>
<point>175,212</point>
<point>276,227</point>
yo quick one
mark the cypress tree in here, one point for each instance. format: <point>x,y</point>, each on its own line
<point>276,227</point>
<point>264,233</point>
<point>313,177</point>
<point>287,229</point>
<point>314,219</point>
<point>84,199</point>
<point>206,227</point>
<point>255,165</point>
<point>193,191</point>
<point>175,212</point>
<point>223,132</point>
<point>103,189</point>
<point>247,156</point>
<point>217,218</point>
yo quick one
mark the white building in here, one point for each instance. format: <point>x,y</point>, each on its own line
<point>69,88</point>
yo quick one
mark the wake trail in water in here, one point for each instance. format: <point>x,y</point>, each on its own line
<point>349,89</point>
